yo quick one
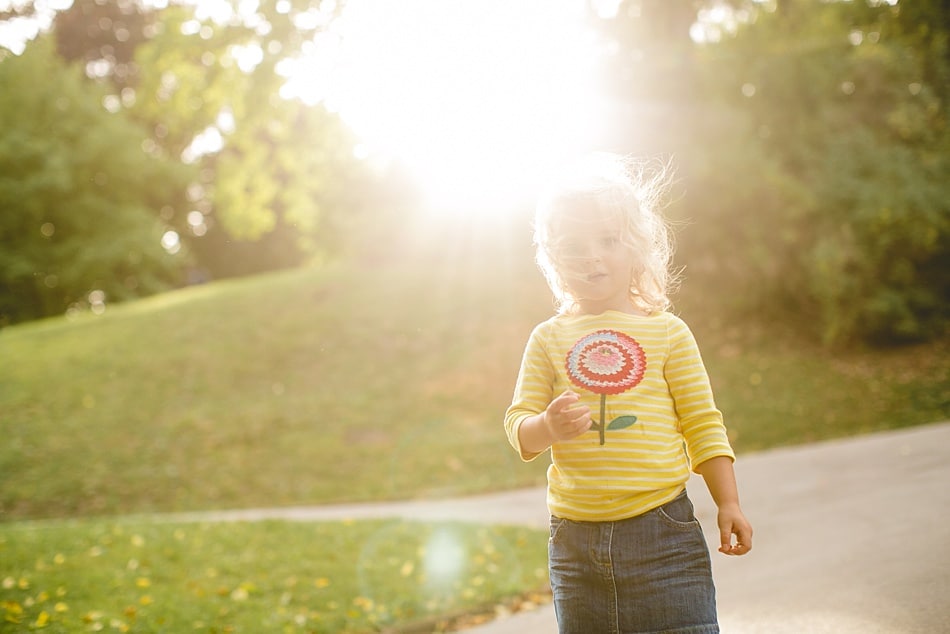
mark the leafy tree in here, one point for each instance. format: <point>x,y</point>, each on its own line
<point>286,187</point>
<point>105,35</point>
<point>823,164</point>
<point>275,192</point>
<point>264,195</point>
<point>80,201</point>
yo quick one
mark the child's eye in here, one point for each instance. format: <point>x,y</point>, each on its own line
<point>572,249</point>
<point>589,247</point>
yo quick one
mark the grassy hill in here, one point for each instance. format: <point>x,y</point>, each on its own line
<point>383,378</point>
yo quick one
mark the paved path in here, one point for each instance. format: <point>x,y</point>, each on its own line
<point>851,537</point>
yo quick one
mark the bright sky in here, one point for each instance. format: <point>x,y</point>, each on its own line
<point>478,99</point>
<point>14,34</point>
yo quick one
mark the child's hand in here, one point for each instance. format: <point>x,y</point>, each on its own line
<point>565,421</point>
<point>732,522</point>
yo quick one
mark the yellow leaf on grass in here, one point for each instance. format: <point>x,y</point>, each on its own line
<point>12,607</point>
<point>90,617</point>
<point>322,582</point>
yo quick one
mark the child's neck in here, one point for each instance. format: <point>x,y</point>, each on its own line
<point>596,308</point>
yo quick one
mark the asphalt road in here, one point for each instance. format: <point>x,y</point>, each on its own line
<point>851,537</point>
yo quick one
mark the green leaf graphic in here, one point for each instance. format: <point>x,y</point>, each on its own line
<point>622,422</point>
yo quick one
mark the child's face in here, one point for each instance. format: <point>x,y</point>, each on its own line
<point>593,261</point>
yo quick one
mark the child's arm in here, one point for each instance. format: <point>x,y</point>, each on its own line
<point>537,418</point>
<point>560,421</point>
<point>720,479</point>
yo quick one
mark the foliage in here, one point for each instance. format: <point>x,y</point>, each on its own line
<point>268,194</point>
<point>284,178</point>
<point>133,575</point>
<point>105,36</point>
<point>281,188</point>
<point>825,163</point>
<point>811,140</point>
<point>308,387</point>
<point>79,198</point>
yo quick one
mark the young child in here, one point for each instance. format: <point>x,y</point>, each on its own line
<point>615,386</point>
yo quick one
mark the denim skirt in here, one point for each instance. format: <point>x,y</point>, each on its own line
<point>649,573</point>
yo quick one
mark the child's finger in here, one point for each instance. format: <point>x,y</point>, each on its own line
<point>578,412</point>
<point>743,541</point>
<point>725,540</point>
<point>564,401</point>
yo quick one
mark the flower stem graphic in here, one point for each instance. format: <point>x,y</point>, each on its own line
<point>602,426</point>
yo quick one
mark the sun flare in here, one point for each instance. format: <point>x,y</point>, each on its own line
<point>476,99</point>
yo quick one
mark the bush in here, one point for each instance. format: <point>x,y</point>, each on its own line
<point>80,200</point>
<point>822,161</point>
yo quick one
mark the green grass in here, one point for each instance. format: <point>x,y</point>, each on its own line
<point>778,389</point>
<point>141,576</point>
<point>300,387</point>
<point>382,379</point>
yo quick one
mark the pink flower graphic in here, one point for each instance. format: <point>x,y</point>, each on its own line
<point>607,362</point>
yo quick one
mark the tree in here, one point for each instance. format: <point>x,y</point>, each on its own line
<point>822,164</point>
<point>80,200</point>
<point>105,36</point>
<point>261,198</point>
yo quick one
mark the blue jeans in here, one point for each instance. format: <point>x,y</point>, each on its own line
<point>649,573</point>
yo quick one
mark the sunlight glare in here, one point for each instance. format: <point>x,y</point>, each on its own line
<point>476,99</point>
<point>171,242</point>
<point>444,560</point>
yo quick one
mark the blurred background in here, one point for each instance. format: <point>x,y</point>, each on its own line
<point>278,253</point>
<point>280,232</point>
<point>151,144</point>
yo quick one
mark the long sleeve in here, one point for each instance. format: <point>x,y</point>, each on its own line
<point>534,390</point>
<point>700,420</point>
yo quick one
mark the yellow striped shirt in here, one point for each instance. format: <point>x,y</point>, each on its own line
<point>663,383</point>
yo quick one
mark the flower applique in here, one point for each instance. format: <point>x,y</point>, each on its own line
<point>607,362</point>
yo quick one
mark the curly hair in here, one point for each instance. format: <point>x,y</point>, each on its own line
<point>610,185</point>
